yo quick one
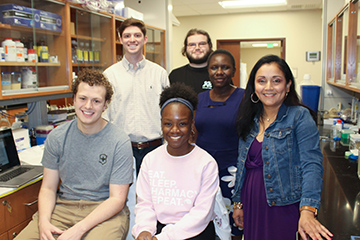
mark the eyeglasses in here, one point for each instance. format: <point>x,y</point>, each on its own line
<point>200,44</point>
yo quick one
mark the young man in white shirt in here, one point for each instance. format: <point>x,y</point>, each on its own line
<point>137,84</point>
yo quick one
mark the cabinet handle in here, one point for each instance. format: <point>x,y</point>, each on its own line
<point>14,234</point>
<point>32,203</point>
<point>6,203</point>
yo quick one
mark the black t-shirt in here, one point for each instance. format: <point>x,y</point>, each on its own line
<point>197,78</point>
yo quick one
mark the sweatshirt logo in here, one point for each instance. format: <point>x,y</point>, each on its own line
<point>166,192</point>
<point>207,85</point>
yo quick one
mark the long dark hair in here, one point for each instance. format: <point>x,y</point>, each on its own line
<point>248,110</point>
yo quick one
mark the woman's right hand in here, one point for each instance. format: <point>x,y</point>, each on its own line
<point>238,216</point>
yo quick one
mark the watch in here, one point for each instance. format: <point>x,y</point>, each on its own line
<point>311,209</point>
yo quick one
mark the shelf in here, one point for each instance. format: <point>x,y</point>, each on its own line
<point>28,29</point>
<point>354,89</point>
<point>26,64</point>
<point>88,65</point>
<point>88,38</point>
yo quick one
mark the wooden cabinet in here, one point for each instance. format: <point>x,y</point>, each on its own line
<point>86,39</point>
<point>17,209</point>
<point>51,74</point>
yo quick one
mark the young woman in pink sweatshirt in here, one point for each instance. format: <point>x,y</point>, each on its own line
<point>178,181</point>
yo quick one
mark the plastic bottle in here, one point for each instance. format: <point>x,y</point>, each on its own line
<point>32,56</point>
<point>79,53</point>
<point>19,51</point>
<point>86,53</point>
<point>2,54</point>
<point>91,53</point>
<point>10,50</point>
<point>338,127</point>
<point>74,47</point>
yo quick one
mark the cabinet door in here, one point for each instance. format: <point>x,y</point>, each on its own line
<point>13,232</point>
<point>20,205</point>
<point>2,219</point>
<point>4,236</point>
<point>155,46</point>
<point>91,39</point>
<point>40,32</point>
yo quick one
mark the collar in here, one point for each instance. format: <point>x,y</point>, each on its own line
<point>128,66</point>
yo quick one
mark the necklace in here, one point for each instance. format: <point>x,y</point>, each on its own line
<point>268,119</point>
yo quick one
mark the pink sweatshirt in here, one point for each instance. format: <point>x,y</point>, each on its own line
<point>176,191</point>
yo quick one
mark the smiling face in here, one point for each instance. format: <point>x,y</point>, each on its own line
<point>133,40</point>
<point>271,86</point>
<point>197,49</point>
<point>89,103</point>
<point>221,70</point>
<point>176,123</point>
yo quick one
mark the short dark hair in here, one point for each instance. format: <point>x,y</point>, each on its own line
<point>132,22</point>
<point>196,31</point>
<point>179,90</point>
<point>222,51</point>
<point>93,77</point>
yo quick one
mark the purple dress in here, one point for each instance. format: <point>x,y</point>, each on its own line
<point>260,220</point>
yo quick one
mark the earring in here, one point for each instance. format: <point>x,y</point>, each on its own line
<point>286,94</point>
<point>251,98</point>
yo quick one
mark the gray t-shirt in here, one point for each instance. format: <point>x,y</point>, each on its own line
<point>87,164</point>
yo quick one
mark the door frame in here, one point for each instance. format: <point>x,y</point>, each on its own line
<point>234,46</point>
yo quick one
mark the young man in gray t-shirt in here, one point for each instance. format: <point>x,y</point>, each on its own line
<point>92,159</point>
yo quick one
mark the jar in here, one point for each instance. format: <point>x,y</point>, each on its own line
<point>15,80</point>
<point>29,78</point>
<point>2,54</point>
<point>5,81</point>
<point>32,56</point>
<point>10,50</point>
<point>19,51</point>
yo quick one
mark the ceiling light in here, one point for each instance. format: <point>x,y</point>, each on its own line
<point>267,45</point>
<point>252,3</point>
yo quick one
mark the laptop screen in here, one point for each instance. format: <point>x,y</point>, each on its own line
<point>8,153</point>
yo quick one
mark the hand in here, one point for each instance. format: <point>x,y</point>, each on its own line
<point>308,224</point>
<point>72,233</point>
<point>47,230</point>
<point>238,216</point>
<point>145,235</point>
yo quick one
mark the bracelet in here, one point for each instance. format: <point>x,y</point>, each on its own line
<point>238,205</point>
<point>311,209</point>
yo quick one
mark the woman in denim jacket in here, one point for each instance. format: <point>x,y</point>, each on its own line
<point>279,176</point>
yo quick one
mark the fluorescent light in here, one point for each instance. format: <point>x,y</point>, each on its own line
<point>252,3</point>
<point>267,45</point>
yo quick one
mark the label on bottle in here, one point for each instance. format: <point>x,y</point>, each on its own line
<point>97,56</point>
<point>91,56</point>
<point>86,56</point>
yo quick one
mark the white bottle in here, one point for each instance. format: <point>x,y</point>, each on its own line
<point>338,127</point>
<point>10,50</point>
<point>2,54</point>
<point>19,51</point>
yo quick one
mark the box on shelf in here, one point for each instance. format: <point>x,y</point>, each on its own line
<point>50,21</point>
<point>21,138</point>
<point>131,13</point>
<point>13,14</point>
<point>29,17</point>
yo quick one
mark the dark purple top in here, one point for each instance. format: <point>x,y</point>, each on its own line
<point>215,123</point>
<point>260,220</point>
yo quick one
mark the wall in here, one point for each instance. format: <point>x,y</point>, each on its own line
<point>302,30</point>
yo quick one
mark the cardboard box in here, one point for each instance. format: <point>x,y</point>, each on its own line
<point>18,15</point>
<point>21,138</point>
<point>49,21</point>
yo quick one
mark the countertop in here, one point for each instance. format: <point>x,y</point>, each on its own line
<point>340,200</point>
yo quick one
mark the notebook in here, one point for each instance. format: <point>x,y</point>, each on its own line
<point>12,174</point>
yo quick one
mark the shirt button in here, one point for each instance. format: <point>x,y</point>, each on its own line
<point>268,176</point>
<point>271,190</point>
<point>266,148</point>
<point>267,163</point>
<point>273,203</point>
<point>267,135</point>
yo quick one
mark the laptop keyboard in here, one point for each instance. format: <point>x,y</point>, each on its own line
<point>13,173</point>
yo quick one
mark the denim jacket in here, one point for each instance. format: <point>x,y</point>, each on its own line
<point>292,159</point>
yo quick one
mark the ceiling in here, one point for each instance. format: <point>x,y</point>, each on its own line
<point>210,7</point>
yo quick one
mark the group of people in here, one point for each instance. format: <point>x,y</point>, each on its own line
<point>191,134</point>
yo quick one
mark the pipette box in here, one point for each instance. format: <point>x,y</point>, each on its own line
<point>13,14</point>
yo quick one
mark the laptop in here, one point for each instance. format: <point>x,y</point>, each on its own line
<point>12,174</point>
